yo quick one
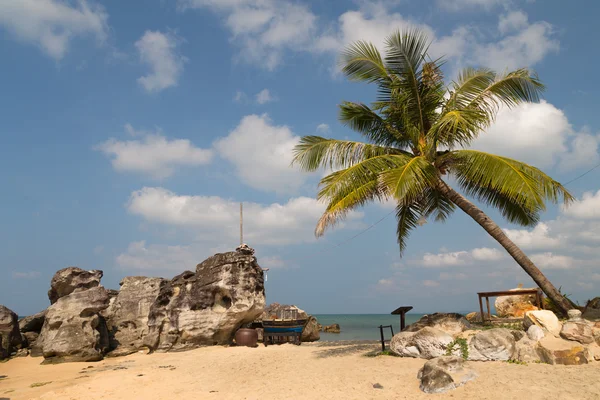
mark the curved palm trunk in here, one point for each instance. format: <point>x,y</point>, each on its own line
<point>494,230</point>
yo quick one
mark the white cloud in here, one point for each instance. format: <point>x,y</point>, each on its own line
<point>512,21</point>
<point>430,283</point>
<point>52,24</point>
<point>215,220</point>
<point>159,51</point>
<point>239,96</point>
<point>445,276</point>
<point>538,134</point>
<point>264,96</point>
<point>549,260</point>
<point>153,154</point>
<point>262,153</point>
<point>459,258</point>
<point>461,5</point>
<point>323,128</point>
<point>263,29</point>
<point>25,274</point>
<point>537,238</point>
<point>586,208</point>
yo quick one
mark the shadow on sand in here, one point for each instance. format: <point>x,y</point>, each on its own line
<point>345,347</point>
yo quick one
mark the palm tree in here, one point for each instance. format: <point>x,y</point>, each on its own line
<point>417,134</point>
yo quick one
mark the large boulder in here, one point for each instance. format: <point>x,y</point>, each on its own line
<point>577,328</point>
<point>444,373</point>
<point>592,310</point>
<point>73,329</point>
<point>515,306</point>
<point>333,328</point>
<point>72,279</point>
<point>451,323</point>
<point>427,343</point>
<point>310,332</point>
<point>545,319</point>
<point>10,336</point>
<point>33,323</point>
<point>554,350</point>
<point>526,351</point>
<point>492,345</point>
<point>208,306</point>
<point>127,315</point>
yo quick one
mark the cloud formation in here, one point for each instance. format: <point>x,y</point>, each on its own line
<point>159,51</point>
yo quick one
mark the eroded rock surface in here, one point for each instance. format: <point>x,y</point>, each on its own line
<point>73,329</point>
<point>72,279</point>
<point>443,374</point>
<point>127,318</point>
<point>427,343</point>
<point>208,306</point>
<point>10,336</point>
<point>592,310</point>
<point>515,306</point>
<point>311,333</point>
<point>545,319</point>
<point>554,350</point>
<point>451,323</point>
<point>492,345</point>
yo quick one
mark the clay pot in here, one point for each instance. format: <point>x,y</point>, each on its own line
<point>246,337</point>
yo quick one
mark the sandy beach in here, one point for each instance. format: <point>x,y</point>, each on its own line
<point>311,371</point>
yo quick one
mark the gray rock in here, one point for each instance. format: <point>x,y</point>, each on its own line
<point>451,323</point>
<point>10,336</point>
<point>574,315</point>
<point>427,343</point>
<point>592,310</point>
<point>72,279</point>
<point>491,345</point>
<point>32,323</point>
<point>207,307</point>
<point>127,314</point>
<point>577,330</point>
<point>535,333</point>
<point>443,374</point>
<point>333,328</point>
<point>526,351</point>
<point>310,332</point>
<point>73,329</point>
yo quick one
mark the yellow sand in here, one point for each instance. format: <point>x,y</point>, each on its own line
<point>315,371</point>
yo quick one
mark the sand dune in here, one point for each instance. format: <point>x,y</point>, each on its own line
<point>314,371</point>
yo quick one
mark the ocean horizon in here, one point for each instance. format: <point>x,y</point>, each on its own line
<point>362,326</point>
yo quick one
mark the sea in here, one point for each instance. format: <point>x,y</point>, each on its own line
<point>362,326</point>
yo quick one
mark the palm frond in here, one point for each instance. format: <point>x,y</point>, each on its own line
<point>408,182</point>
<point>368,123</point>
<point>437,205</point>
<point>518,190</point>
<point>361,61</point>
<point>407,216</point>
<point>315,152</point>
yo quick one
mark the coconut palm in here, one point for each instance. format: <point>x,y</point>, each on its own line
<point>417,136</point>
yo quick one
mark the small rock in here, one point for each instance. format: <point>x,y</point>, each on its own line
<point>535,333</point>
<point>377,386</point>
<point>545,319</point>
<point>444,373</point>
<point>526,351</point>
<point>574,315</point>
<point>333,328</point>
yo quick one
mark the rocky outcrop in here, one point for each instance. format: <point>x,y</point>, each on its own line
<point>127,318</point>
<point>310,333</point>
<point>554,350</point>
<point>10,336</point>
<point>208,306</point>
<point>526,351</point>
<point>443,374</point>
<point>333,328</point>
<point>73,329</point>
<point>592,310</point>
<point>515,306</point>
<point>577,328</point>
<point>492,345</point>
<point>72,279</point>
<point>451,323</point>
<point>427,343</point>
<point>545,319</point>
<point>32,323</point>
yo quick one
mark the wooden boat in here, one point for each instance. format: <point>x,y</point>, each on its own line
<point>274,328</point>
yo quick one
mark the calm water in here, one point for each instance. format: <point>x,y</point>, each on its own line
<point>362,326</point>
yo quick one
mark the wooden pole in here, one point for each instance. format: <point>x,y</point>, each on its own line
<point>241,224</point>
<point>481,309</point>
<point>382,340</point>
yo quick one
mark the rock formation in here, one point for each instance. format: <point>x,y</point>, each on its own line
<point>73,329</point>
<point>310,332</point>
<point>592,310</point>
<point>127,315</point>
<point>444,373</point>
<point>72,279</point>
<point>545,319</point>
<point>207,307</point>
<point>515,306</point>
<point>426,343</point>
<point>496,344</point>
<point>577,328</point>
<point>554,350</point>
<point>333,328</point>
<point>30,328</point>
<point>10,336</point>
<point>451,323</point>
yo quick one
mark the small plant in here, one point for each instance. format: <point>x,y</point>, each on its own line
<point>516,362</point>
<point>461,344</point>
<point>540,362</point>
<point>38,384</point>
<point>382,353</point>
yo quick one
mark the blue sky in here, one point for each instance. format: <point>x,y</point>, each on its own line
<point>131,134</point>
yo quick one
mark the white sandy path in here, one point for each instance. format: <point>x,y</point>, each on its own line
<point>282,372</point>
